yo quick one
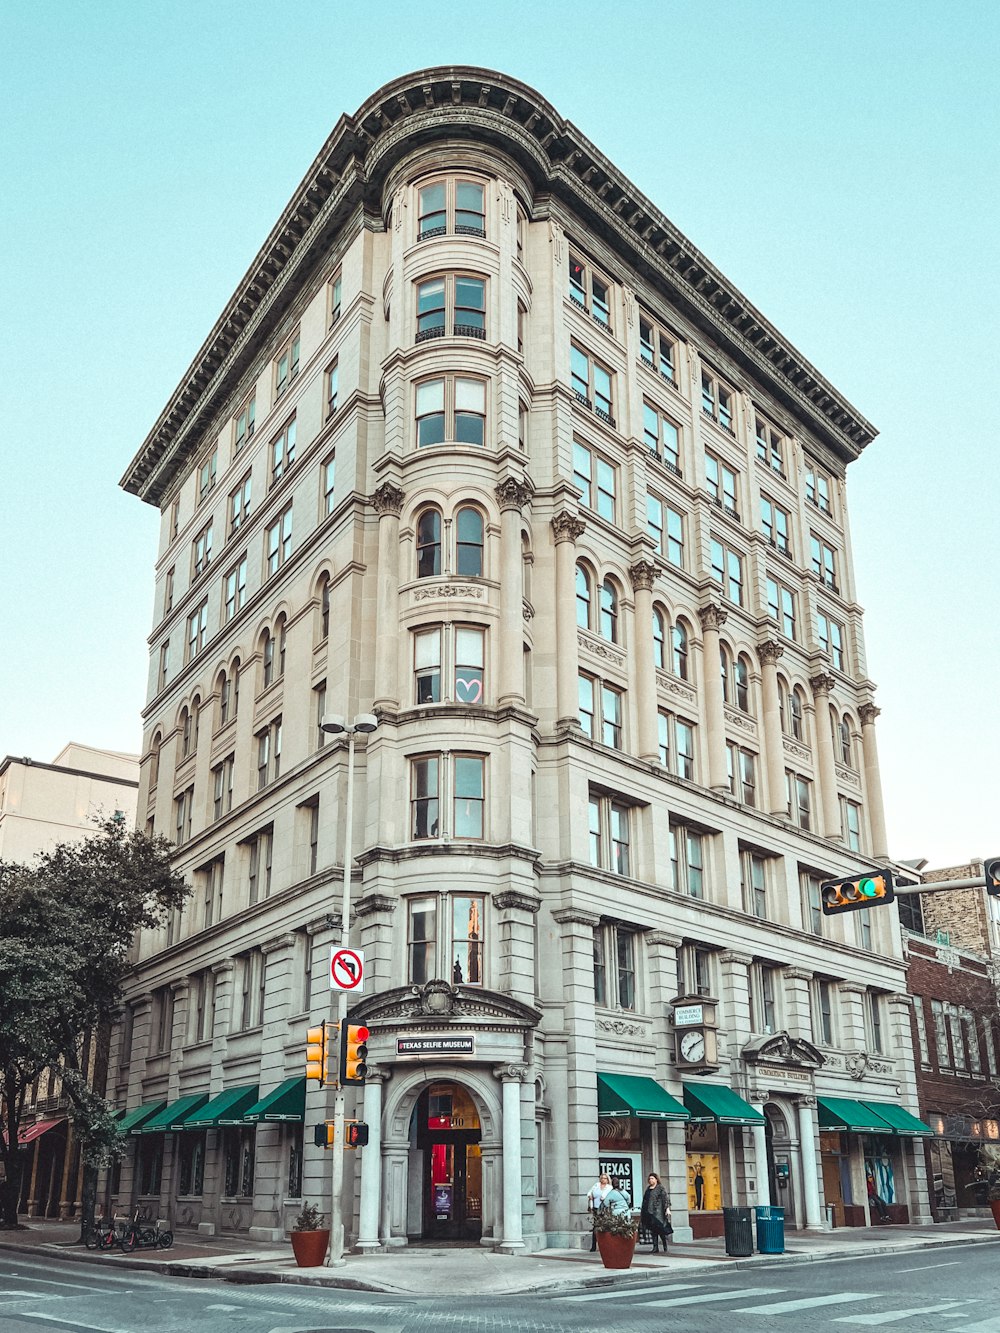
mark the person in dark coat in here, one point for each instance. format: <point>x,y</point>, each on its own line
<point>655,1212</point>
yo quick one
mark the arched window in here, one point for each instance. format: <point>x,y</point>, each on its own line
<point>582,597</point>
<point>469,543</point>
<point>267,660</point>
<point>195,719</point>
<point>185,725</point>
<point>281,637</point>
<point>609,611</point>
<point>154,759</point>
<point>790,709</point>
<point>724,670</point>
<point>659,639</point>
<point>428,544</point>
<point>741,680</point>
<point>797,709</point>
<point>324,610</point>
<point>846,741</point>
<point>680,650</point>
<point>526,564</point>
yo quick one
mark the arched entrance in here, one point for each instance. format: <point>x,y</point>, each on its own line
<point>779,1161</point>
<point>447,1132</point>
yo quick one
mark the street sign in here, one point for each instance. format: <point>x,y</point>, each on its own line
<point>347,969</point>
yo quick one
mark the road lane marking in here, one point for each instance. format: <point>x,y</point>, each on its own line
<point>807,1303</point>
<point>71,1323</point>
<point>742,1295</point>
<point>949,1264</point>
<point>893,1316</point>
<point>622,1293</point>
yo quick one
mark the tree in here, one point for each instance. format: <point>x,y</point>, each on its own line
<point>67,923</point>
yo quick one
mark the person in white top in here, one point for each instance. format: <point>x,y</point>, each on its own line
<point>596,1195</point>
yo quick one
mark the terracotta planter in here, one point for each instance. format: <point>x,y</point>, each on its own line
<point>616,1251</point>
<point>995,1210</point>
<point>309,1247</point>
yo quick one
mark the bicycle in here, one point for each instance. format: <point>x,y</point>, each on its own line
<point>140,1236</point>
<point>104,1233</point>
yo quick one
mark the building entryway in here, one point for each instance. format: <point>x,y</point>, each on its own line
<point>448,1134</point>
<point>779,1162</point>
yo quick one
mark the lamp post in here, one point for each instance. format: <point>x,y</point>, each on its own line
<point>335,725</point>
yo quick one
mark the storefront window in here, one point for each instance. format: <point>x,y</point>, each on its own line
<point>295,1162</point>
<point>150,1163</point>
<point>191,1170</point>
<point>704,1168</point>
<point>239,1163</point>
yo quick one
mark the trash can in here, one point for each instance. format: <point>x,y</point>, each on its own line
<point>770,1230</point>
<point>738,1230</point>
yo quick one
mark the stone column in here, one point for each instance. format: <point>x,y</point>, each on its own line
<point>511,1077</point>
<point>387,502</point>
<point>798,1010</point>
<point>762,1177</point>
<point>374,913</point>
<point>811,1167</point>
<point>371,1164</point>
<point>567,528</point>
<point>873,781</point>
<point>511,494</point>
<point>516,928</point>
<point>774,747</point>
<point>713,617</point>
<point>579,1115</point>
<point>822,684</point>
<point>642,573</point>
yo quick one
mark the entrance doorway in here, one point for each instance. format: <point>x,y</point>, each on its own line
<point>779,1162</point>
<point>448,1131</point>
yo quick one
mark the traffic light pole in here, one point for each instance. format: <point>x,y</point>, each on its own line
<point>335,1256</point>
<point>940,886</point>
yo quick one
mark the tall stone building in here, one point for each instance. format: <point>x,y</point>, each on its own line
<point>484,445</point>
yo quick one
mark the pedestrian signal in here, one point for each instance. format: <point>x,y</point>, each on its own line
<point>847,895</point>
<point>993,876</point>
<point>318,1053</point>
<point>354,1054</point>
<point>323,1135</point>
<point>356,1134</point>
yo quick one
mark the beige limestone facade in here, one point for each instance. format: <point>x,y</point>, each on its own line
<point>484,445</point>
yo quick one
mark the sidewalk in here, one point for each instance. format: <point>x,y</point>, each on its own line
<point>473,1270</point>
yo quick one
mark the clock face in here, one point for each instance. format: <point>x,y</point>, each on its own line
<point>693,1046</point>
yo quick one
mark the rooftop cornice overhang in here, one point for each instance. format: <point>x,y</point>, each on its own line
<point>477,105</point>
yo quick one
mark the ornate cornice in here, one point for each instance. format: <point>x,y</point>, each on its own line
<point>769,651</point>
<point>512,900</point>
<point>374,902</point>
<point>512,493</point>
<point>493,111</point>
<point>567,527</point>
<point>712,616</point>
<point>387,499</point>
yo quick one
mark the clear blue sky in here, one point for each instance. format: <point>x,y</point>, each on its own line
<point>838,161</point>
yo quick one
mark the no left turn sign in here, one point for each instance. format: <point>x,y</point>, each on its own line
<point>347,968</point>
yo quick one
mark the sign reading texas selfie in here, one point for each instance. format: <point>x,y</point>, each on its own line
<point>347,968</point>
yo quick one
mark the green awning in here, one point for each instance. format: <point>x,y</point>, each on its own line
<point>226,1109</point>
<point>843,1113</point>
<point>898,1120</point>
<point>132,1121</point>
<point>711,1101</point>
<point>636,1095</point>
<point>174,1115</point>
<point>285,1102</point>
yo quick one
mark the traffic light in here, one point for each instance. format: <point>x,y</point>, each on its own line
<point>354,1054</point>
<point>323,1135</point>
<point>318,1053</point>
<point>993,876</point>
<point>356,1134</point>
<point>847,895</point>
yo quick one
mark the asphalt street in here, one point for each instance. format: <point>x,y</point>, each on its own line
<point>953,1288</point>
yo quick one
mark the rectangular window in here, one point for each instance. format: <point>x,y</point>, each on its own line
<point>268,753</point>
<point>452,408</point>
<point>206,475</point>
<point>722,485</point>
<point>236,589</point>
<point>687,864</point>
<point>197,630</point>
<point>313,811</point>
<point>470,794</point>
<point>591,382</point>
<point>201,550</point>
<point>597,479</point>
<point>421,944</point>
<point>818,488</point>
<point>798,797</point>
<point>283,452</point>
<point>163,674</point>
<point>781,607</point>
<point>328,472</point>
<point>676,744</point>
<point>213,883</point>
<point>243,424</point>
<point>467,940</point>
<point>614,951</point>
<point>663,438</point>
<point>239,505</point>
<point>850,823</point>
<point>823,1012</point>
<point>260,848</point>
<point>823,559</point>
<point>971,1041</point>
<point>921,1022</point>
<point>775,523</point>
<point>770,446</point>
<point>742,772</point>
<point>332,388</point>
<point>168,591</point>
<point>727,570</point>
<point>940,1035</point>
<point>611,716</point>
<point>658,349</point>
<point>183,807</point>
<point>470,652</point>
<point>812,902</point>
<point>222,782</point>
<point>425,797</point>
<point>427,666</point>
<point>590,291</point>
<point>595,815</point>
<point>586,705</point>
<point>875,1021</point>
<point>319,712</point>
<point>666,526</point>
<point>278,543</point>
<point>609,834</point>
<point>763,998</point>
<point>717,400</point>
<point>336,295</point>
<point>831,639</point>
<point>754,883</point>
<point>286,365</point>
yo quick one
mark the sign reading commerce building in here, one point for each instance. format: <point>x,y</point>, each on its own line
<point>424,1046</point>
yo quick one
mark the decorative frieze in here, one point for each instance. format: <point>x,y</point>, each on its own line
<point>437,590</point>
<point>673,686</point>
<point>740,720</point>
<point>795,750</point>
<point>847,777</point>
<point>601,650</point>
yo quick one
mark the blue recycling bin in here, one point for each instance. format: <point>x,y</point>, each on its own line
<point>738,1231</point>
<point>770,1230</point>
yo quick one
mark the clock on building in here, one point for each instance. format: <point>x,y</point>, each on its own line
<point>696,1047</point>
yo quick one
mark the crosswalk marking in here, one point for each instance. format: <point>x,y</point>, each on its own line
<point>742,1295</point>
<point>807,1303</point>
<point>624,1293</point>
<point>991,1325</point>
<point>893,1316</point>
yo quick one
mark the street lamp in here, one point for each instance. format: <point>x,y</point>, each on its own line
<point>335,725</point>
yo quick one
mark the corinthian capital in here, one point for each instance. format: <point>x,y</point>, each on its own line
<point>642,574</point>
<point>868,713</point>
<point>769,651</point>
<point>387,499</point>
<point>512,493</point>
<point>712,616</point>
<point>567,527</point>
<point>822,683</point>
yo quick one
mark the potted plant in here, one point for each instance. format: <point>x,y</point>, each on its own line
<point>309,1237</point>
<point>993,1195</point>
<point>616,1236</point>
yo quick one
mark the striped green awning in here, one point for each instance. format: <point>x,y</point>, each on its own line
<point>133,1121</point>
<point>285,1102</point>
<point>636,1095</point>
<point>843,1113</point>
<point>898,1120</point>
<point>226,1109</point>
<point>174,1115</point>
<point>713,1102</point>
